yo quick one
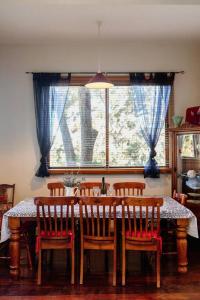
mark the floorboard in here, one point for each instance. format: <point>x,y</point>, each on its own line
<point>98,285</point>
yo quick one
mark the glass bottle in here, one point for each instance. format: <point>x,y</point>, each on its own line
<point>103,186</point>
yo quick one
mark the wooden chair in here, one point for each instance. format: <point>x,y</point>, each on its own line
<point>142,234</point>
<point>55,224</point>
<point>56,188</point>
<point>7,196</point>
<point>181,198</point>
<point>86,188</point>
<point>4,247</point>
<point>98,228</point>
<point>128,188</point>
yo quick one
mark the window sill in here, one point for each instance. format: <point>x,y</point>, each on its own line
<point>163,170</point>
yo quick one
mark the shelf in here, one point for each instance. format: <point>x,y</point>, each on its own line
<point>191,129</point>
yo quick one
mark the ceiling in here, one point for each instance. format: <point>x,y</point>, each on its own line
<point>60,21</point>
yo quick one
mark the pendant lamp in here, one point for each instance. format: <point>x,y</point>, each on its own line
<point>99,80</point>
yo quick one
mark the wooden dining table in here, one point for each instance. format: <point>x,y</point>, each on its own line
<point>26,209</point>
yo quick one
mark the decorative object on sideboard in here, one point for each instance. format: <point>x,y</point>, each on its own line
<point>191,173</point>
<point>193,181</point>
<point>193,115</point>
<point>177,120</point>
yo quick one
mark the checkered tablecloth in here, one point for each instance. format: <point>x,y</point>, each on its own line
<point>171,209</point>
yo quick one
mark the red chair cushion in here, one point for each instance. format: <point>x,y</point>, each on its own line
<point>3,198</point>
<point>52,234</point>
<point>146,234</point>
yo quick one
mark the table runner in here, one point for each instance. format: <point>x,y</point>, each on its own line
<point>171,209</point>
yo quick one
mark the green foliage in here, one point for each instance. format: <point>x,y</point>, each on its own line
<point>126,145</point>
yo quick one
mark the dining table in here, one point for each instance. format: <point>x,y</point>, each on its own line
<point>26,210</point>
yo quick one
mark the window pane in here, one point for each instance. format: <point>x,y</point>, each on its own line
<point>80,140</point>
<point>81,137</point>
<point>127,146</point>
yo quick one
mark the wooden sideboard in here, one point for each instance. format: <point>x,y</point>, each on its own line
<point>185,142</point>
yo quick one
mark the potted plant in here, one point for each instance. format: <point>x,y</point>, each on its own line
<point>71,181</point>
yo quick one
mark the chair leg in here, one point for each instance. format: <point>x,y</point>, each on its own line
<point>39,267</point>
<point>29,258</point>
<point>72,265</point>
<point>30,264</point>
<point>87,254</point>
<point>158,269</point>
<point>106,261</point>
<point>114,266</point>
<point>123,265</point>
<point>81,266</point>
<point>24,239</point>
<point>51,258</point>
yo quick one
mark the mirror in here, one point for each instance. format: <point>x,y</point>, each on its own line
<point>190,146</point>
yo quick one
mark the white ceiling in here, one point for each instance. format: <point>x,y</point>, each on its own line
<point>60,21</point>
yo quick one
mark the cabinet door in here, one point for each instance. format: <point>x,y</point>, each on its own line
<point>188,164</point>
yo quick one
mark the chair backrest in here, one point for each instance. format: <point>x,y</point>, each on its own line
<point>56,188</point>
<point>179,197</point>
<point>86,188</point>
<point>129,188</point>
<point>7,194</point>
<point>55,216</point>
<point>98,216</point>
<point>1,217</point>
<point>141,216</point>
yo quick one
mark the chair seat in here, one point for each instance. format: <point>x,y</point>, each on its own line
<point>144,236</point>
<point>99,238</point>
<point>53,235</point>
<point>98,243</point>
<point>3,198</point>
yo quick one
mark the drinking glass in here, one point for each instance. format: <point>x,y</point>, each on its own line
<point>96,191</point>
<point>110,191</point>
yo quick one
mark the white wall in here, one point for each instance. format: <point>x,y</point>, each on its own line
<point>19,153</point>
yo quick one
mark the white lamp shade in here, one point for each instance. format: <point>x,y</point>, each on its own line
<point>99,81</point>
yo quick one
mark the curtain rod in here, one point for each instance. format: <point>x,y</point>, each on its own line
<point>175,72</point>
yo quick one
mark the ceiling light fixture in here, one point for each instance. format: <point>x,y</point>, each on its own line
<point>99,81</point>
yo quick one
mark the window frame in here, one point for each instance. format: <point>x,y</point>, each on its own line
<point>120,80</point>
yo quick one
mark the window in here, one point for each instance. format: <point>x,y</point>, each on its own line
<point>99,129</point>
<point>81,137</point>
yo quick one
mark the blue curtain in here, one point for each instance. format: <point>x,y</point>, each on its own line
<point>151,109</point>
<point>49,108</point>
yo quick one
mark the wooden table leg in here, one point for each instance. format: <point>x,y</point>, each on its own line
<point>14,225</point>
<point>182,245</point>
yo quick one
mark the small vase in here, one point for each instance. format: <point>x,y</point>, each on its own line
<point>69,191</point>
<point>177,120</point>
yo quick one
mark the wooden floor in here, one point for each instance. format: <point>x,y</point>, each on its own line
<point>140,283</point>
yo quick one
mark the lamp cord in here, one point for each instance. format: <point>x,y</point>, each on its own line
<point>99,23</point>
